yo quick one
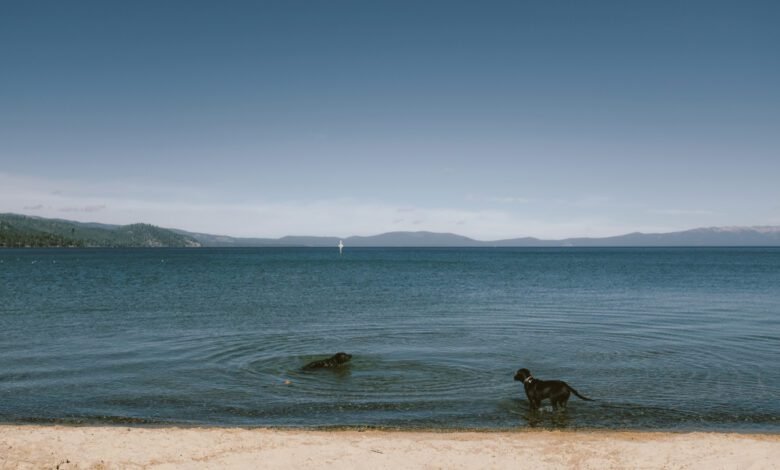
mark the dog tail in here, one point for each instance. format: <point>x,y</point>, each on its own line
<point>578,393</point>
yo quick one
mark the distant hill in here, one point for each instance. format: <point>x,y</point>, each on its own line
<point>25,231</point>
<point>420,239</point>
<point>711,236</point>
<point>20,230</point>
<point>206,239</point>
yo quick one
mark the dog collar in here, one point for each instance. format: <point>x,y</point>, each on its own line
<point>528,379</point>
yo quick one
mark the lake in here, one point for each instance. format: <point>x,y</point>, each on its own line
<point>660,338</point>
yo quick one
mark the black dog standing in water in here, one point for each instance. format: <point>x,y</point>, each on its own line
<point>333,361</point>
<point>537,390</point>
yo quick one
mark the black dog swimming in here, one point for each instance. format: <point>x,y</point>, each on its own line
<point>537,390</point>
<point>333,361</point>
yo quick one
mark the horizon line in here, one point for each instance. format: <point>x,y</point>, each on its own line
<point>712,227</point>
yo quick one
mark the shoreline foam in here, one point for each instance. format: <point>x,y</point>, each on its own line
<point>70,447</point>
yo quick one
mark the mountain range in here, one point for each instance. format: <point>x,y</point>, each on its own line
<point>27,231</point>
<point>712,236</point>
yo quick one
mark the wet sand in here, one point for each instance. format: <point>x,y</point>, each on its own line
<point>95,447</point>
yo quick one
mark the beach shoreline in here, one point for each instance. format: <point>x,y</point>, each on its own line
<point>102,447</point>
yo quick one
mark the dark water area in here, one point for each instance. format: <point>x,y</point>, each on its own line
<point>662,339</point>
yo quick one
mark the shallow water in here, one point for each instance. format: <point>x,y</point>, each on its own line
<point>675,339</point>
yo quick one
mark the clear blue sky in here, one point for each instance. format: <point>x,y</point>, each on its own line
<point>486,118</point>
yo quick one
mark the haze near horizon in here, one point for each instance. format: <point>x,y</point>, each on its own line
<point>487,119</point>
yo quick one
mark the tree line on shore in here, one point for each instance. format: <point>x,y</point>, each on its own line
<point>18,231</point>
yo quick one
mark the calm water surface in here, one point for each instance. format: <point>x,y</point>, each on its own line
<point>674,339</point>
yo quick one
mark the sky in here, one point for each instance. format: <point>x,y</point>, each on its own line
<point>491,119</point>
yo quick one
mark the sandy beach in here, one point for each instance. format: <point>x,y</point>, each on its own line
<point>72,447</point>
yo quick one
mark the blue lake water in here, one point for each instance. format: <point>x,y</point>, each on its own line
<point>674,339</point>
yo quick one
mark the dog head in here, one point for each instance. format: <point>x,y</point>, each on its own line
<point>522,374</point>
<point>342,357</point>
